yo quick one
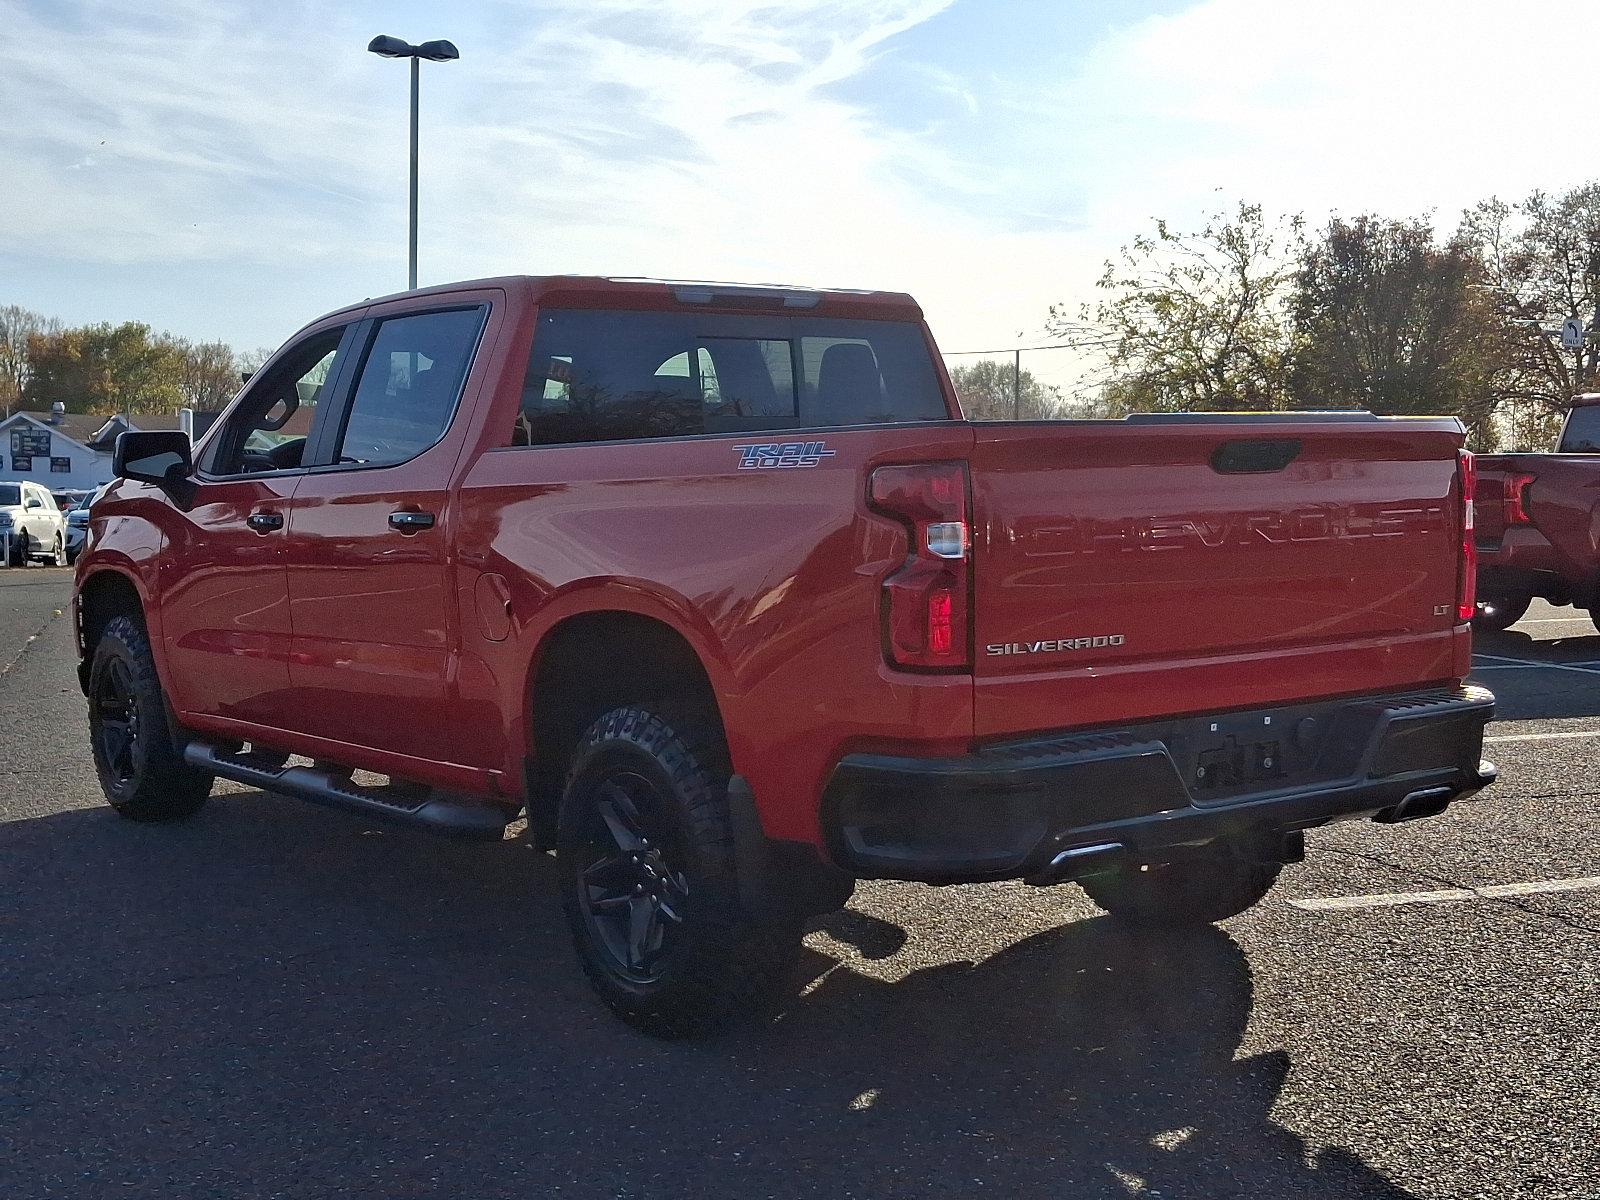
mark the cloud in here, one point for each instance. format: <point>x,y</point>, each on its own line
<point>776,140</point>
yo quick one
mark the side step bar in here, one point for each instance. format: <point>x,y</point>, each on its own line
<point>437,812</point>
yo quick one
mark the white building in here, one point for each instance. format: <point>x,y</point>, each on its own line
<point>70,451</point>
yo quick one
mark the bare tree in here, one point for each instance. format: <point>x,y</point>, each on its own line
<point>987,393</point>
<point>1196,320</point>
<point>1541,265</point>
<point>209,375</point>
<point>16,325</point>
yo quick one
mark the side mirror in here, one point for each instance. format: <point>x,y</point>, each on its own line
<point>159,456</point>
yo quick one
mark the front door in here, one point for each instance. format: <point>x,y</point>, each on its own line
<point>369,583</point>
<point>224,590</point>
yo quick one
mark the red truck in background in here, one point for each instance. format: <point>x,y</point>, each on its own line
<point>715,585</point>
<point>1538,524</point>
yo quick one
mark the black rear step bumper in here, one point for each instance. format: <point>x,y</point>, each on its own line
<point>1057,808</point>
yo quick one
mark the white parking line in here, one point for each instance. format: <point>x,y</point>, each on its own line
<point>1493,891</point>
<point>1524,662</point>
<point>1541,737</point>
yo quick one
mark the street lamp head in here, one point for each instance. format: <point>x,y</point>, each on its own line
<point>438,51</point>
<point>393,47</point>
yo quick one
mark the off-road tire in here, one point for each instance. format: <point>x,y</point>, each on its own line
<point>1497,613</point>
<point>714,963</point>
<point>1183,894</point>
<point>148,780</point>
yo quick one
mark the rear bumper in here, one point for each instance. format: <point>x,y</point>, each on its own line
<point>1047,808</point>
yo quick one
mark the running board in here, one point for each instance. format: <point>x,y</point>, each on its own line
<point>437,812</point>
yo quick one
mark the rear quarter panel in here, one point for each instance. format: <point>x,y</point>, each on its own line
<point>773,576</point>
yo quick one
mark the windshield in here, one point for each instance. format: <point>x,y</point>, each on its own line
<point>10,493</point>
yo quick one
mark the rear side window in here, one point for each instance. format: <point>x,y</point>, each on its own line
<point>1582,432</point>
<point>596,375</point>
<point>409,385</point>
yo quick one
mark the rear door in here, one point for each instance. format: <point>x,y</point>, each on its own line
<point>369,572</point>
<point>1149,568</point>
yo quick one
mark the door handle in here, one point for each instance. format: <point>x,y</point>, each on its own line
<point>411,522</point>
<point>264,522</point>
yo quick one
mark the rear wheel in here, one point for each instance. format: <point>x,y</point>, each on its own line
<point>58,557</point>
<point>1497,612</point>
<point>141,769</point>
<point>648,883</point>
<point>1211,886</point>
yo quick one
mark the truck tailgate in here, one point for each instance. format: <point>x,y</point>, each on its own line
<point>1157,566</point>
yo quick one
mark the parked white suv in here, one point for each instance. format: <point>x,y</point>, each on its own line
<point>31,526</point>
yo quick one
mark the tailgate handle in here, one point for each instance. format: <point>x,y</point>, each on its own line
<point>1253,456</point>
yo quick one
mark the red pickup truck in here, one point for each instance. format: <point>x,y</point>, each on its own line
<point>714,584</point>
<point>1538,524</point>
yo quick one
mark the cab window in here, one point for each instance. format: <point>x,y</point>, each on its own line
<point>409,386</point>
<point>269,429</point>
<point>596,375</point>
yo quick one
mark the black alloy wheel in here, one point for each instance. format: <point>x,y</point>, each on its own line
<point>116,725</point>
<point>649,884</point>
<point>634,890</point>
<point>137,756</point>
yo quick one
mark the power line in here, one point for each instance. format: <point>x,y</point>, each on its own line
<point>1015,349</point>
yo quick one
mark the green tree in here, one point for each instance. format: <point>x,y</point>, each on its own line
<point>104,369</point>
<point>988,392</point>
<point>1391,320</point>
<point>1195,321</point>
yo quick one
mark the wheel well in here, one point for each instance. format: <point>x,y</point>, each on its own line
<point>589,665</point>
<point>104,595</point>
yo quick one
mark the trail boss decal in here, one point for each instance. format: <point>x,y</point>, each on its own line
<point>782,454</point>
<point>1054,645</point>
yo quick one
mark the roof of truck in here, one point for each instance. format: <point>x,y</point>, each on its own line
<point>593,291</point>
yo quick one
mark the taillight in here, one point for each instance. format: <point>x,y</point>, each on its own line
<point>925,604</point>
<point>1516,498</point>
<point>1467,587</point>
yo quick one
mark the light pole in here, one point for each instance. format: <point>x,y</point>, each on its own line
<point>436,51</point>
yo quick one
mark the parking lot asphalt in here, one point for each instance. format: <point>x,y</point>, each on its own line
<point>274,1000</point>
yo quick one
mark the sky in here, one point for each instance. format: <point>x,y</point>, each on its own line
<point>229,170</point>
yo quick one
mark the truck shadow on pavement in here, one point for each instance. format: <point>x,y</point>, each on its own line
<point>1534,691</point>
<point>273,1000</point>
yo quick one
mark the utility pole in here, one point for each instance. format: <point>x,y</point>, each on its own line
<point>1016,386</point>
<point>416,87</point>
<point>435,51</point>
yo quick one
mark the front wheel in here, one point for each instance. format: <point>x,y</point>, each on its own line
<point>141,768</point>
<point>645,844</point>
<point>1211,886</point>
<point>21,550</point>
